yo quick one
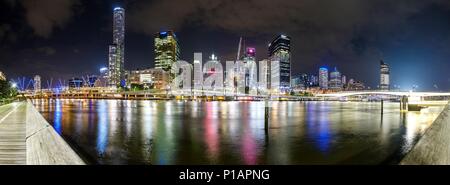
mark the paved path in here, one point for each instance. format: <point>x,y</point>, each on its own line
<point>27,138</point>
<point>12,133</point>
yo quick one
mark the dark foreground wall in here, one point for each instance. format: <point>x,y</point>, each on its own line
<point>434,146</point>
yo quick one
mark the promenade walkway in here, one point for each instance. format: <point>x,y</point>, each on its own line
<point>27,138</point>
<point>12,133</point>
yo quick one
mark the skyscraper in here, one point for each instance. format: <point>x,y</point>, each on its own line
<point>167,50</point>
<point>250,70</point>
<point>280,50</point>
<point>335,82</point>
<point>344,81</point>
<point>116,57</point>
<point>323,78</point>
<point>384,76</point>
<point>198,74</point>
<point>37,83</point>
<point>264,75</point>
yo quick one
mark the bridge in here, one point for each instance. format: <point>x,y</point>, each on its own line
<point>409,100</point>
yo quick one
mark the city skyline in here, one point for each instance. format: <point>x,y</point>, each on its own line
<point>59,60</point>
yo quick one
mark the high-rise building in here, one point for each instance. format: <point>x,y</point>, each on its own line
<point>167,50</point>
<point>198,74</point>
<point>37,83</point>
<point>149,78</point>
<point>344,81</point>
<point>116,56</point>
<point>323,78</point>
<point>280,51</point>
<point>313,81</point>
<point>250,70</point>
<point>354,85</point>
<point>384,76</point>
<point>335,82</point>
<point>264,75</point>
<point>2,76</point>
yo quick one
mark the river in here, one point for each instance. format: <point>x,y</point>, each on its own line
<point>231,132</point>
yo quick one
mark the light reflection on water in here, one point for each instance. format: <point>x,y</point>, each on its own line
<point>179,132</point>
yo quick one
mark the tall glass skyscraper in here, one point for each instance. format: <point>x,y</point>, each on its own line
<point>167,50</point>
<point>116,58</point>
<point>384,76</point>
<point>280,50</point>
<point>335,82</point>
<point>323,78</point>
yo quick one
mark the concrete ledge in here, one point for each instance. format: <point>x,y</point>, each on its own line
<point>434,146</point>
<point>44,145</point>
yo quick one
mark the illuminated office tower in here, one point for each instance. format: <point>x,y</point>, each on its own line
<point>275,78</point>
<point>198,74</point>
<point>384,76</point>
<point>213,83</point>
<point>344,81</point>
<point>264,75</point>
<point>251,71</point>
<point>167,50</point>
<point>323,78</point>
<point>37,83</point>
<point>116,56</point>
<point>235,78</point>
<point>279,50</point>
<point>335,82</point>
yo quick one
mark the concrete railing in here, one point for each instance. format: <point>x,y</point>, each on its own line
<point>433,148</point>
<point>44,145</point>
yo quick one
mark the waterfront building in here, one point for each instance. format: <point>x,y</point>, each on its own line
<point>2,76</point>
<point>198,74</point>
<point>149,78</point>
<point>250,71</point>
<point>297,83</point>
<point>335,82</point>
<point>213,71</point>
<point>37,83</point>
<point>235,83</point>
<point>116,55</point>
<point>264,76</point>
<point>300,82</point>
<point>76,83</point>
<point>323,78</point>
<point>354,85</point>
<point>313,81</point>
<point>167,50</point>
<point>384,76</point>
<point>280,58</point>
<point>344,81</point>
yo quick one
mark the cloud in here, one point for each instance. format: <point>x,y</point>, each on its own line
<point>45,15</point>
<point>342,29</point>
<point>47,51</point>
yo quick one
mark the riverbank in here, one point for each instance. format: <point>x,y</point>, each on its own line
<point>433,148</point>
<point>27,138</point>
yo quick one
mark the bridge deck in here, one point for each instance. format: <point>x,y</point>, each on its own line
<point>12,134</point>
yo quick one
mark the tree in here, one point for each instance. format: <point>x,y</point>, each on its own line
<point>6,91</point>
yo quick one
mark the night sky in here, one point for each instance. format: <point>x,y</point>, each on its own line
<point>61,39</point>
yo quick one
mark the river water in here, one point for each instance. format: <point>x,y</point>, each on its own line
<point>187,132</point>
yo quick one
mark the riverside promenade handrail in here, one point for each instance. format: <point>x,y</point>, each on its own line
<point>44,145</point>
<point>433,148</point>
